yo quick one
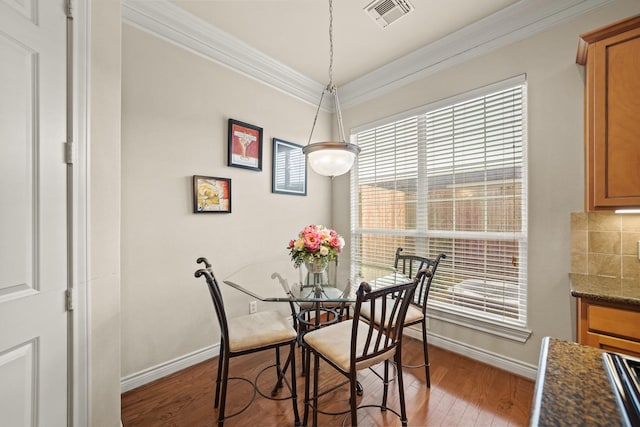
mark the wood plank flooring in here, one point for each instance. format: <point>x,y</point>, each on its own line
<point>463,392</point>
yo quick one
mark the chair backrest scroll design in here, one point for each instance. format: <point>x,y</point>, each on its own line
<point>410,263</point>
<point>216,297</point>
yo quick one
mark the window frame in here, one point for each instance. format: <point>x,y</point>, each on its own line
<point>450,313</point>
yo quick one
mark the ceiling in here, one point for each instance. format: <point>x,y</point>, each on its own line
<point>285,43</point>
<point>296,32</point>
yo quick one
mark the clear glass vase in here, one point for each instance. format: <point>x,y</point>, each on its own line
<point>314,273</point>
<point>317,265</point>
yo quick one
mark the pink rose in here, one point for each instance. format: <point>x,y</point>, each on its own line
<point>312,241</point>
<point>310,229</point>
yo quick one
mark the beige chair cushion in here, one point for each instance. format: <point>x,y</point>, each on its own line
<point>414,313</point>
<point>334,343</point>
<point>259,330</point>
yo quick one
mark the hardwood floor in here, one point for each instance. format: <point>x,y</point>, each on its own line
<point>463,392</point>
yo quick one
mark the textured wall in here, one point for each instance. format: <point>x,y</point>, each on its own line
<point>605,244</point>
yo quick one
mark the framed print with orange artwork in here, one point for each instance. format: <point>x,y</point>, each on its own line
<point>211,194</point>
<point>245,145</point>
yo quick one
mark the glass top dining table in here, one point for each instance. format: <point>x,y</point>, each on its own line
<point>278,280</point>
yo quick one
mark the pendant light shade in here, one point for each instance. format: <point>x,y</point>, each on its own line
<point>331,158</point>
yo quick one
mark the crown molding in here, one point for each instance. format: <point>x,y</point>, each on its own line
<point>514,23</point>
<point>169,22</point>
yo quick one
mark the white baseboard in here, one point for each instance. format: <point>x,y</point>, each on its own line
<point>156,372</point>
<point>162,370</point>
<point>514,366</point>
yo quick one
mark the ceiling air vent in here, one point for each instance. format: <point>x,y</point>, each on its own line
<point>384,12</point>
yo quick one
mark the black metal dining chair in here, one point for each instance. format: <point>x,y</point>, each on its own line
<point>307,315</point>
<point>250,334</point>
<point>349,347</point>
<point>409,265</point>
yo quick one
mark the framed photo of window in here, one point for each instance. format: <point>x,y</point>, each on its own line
<point>245,145</point>
<point>211,194</point>
<point>289,168</point>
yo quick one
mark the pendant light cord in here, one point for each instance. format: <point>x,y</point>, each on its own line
<point>331,88</point>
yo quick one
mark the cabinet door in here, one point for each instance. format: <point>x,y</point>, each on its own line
<point>609,327</point>
<point>614,134</point>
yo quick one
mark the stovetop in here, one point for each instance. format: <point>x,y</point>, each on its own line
<point>624,374</point>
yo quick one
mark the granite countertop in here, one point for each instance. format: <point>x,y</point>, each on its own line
<point>607,289</point>
<point>572,387</point>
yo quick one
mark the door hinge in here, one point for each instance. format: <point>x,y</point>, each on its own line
<point>69,151</point>
<point>70,299</point>
<point>68,8</point>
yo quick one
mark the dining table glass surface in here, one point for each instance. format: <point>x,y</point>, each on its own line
<point>279,280</point>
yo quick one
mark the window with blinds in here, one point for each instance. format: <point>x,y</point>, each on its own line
<point>450,178</point>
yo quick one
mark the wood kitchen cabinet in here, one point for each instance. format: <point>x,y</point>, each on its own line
<point>612,114</point>
<point>609,326</point>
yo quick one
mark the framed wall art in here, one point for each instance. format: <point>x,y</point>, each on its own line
<point>289,168</point>
<point>211,194</point>
<point>245,145</point>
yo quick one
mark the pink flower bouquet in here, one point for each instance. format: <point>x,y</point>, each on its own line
<point>315,242</point>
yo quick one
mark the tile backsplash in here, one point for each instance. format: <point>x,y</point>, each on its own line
<point>605,244</point>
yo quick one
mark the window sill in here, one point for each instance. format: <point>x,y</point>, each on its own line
<point>512,332</point>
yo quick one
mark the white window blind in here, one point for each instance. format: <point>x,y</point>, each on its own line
<point>450,178</point>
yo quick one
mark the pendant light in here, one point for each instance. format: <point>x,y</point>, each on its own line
<point>331,158</point>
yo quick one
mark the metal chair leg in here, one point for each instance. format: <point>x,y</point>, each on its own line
<point>302,329</point>
<point>426,353</point>
<point>223,396</point>
<point>316,372</point>
<point>294,388</point>
<point>279,372</point>
<point>219,376</point>
<point>353,382</point>
<point>403,408</point>
<point>307,367</point>
<point>385,386</point>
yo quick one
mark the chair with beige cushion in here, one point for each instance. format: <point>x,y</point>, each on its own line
<point>351,346</point>
<point>410,265</point>
<point>328,311</point>
<point>250,334</point>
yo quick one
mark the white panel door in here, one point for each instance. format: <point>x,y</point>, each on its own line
<point>33,246</point>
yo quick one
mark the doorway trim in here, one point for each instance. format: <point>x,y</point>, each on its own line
<point>79,402</point>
